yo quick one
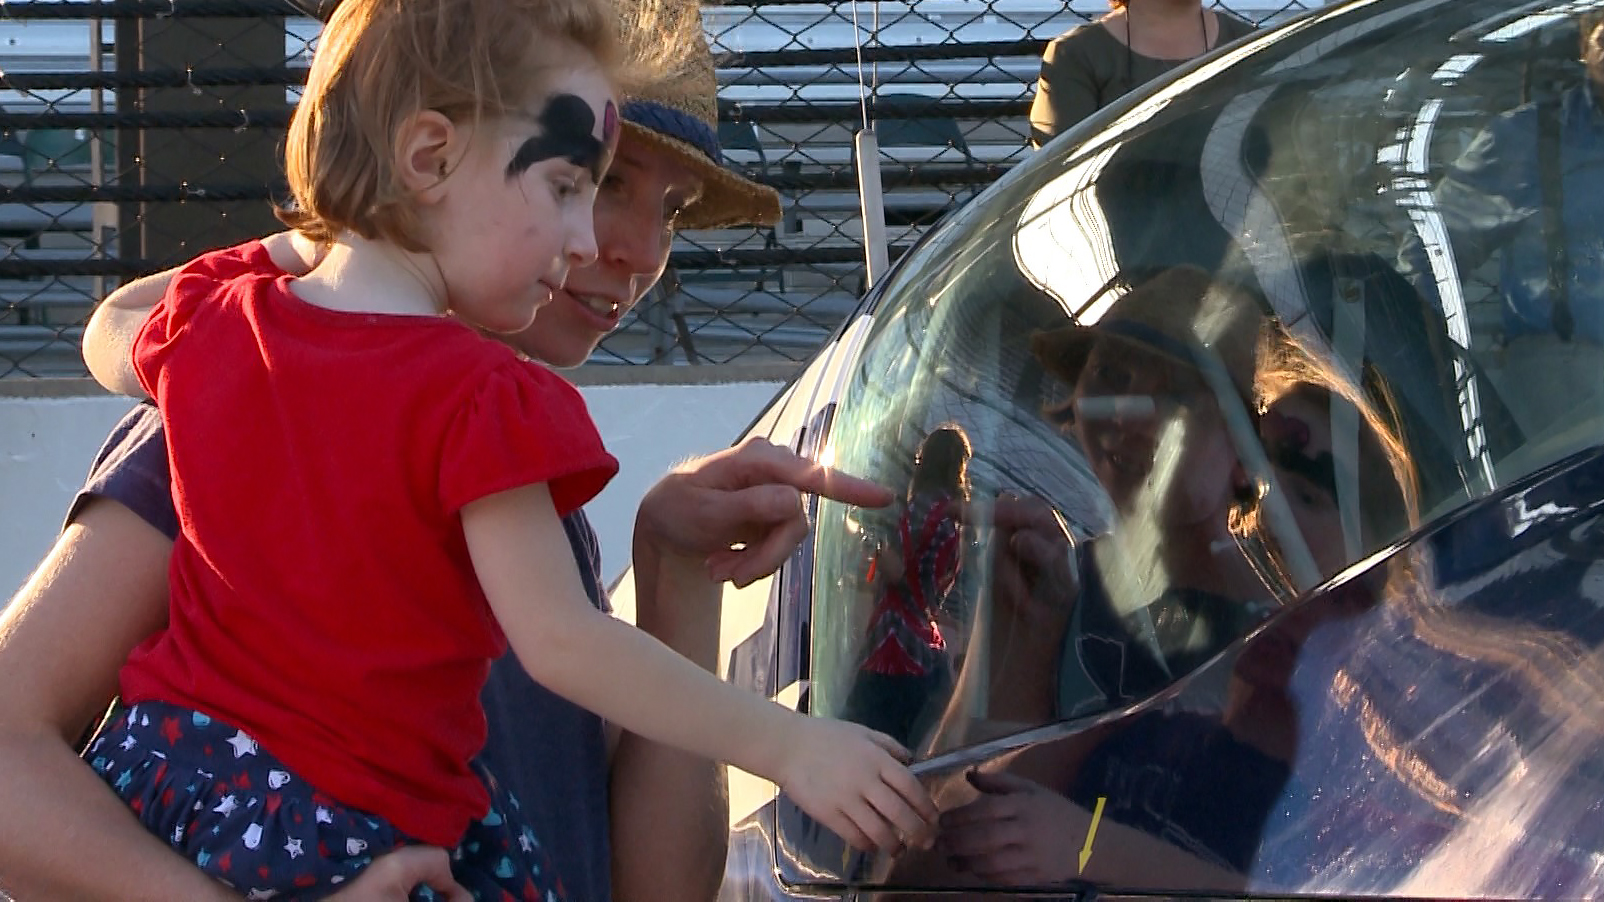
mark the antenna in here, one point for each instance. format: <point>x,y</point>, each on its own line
<point>866,153</point>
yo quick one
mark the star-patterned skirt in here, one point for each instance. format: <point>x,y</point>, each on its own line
<point>224,802</point>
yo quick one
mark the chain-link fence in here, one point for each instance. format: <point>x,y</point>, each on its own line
<point>137,133</point>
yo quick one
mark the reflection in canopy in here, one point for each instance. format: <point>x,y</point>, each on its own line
<point>1062,244</point>
<point>1175,589</point>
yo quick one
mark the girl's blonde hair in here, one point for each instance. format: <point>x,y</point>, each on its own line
<point>379,62</point>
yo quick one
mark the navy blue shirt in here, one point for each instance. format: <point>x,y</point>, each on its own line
<point>550,753</point>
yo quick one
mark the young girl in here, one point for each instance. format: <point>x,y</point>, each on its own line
<point>313,701</point>
<point>906,669</point>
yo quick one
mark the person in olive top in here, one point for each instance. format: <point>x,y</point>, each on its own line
<point>1088,67</point>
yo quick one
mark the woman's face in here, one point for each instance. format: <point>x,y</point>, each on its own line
<point>636,207</point>
<point>1152,432</point>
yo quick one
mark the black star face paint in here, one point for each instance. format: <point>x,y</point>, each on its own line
<point>567,131</point>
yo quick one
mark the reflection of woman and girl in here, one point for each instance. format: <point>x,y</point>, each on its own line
<point>1427,726</point>
<point>1211,429</point>
<point>906,668</point>
<point>1199,460</point>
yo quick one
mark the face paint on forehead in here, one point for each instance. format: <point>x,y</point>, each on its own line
<point>610,125</point>
<point>567,126</point>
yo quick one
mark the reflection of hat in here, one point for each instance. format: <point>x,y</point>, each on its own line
<point>1176,313</point>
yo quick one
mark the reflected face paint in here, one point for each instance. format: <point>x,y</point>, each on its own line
<point>568,132</point>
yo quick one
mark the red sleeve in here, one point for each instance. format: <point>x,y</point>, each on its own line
<point>523,425</point>
<point>195,283</point>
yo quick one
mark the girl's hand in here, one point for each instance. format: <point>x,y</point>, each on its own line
<point>1018,833</point>
<point>852,779</point>
<point>394,875</point>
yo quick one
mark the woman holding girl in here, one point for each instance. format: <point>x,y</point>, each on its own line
<point>469,186</point>
<point>104,588</point>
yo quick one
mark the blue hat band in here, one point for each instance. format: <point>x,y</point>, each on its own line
<point>674,123</point>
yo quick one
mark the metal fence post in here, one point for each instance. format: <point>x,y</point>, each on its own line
<point>199,97</point>
<point>174,232</point>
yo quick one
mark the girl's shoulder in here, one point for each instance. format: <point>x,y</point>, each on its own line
<point>519,423</point>
<point>248,259</point>
<point>211,287</point>
<point>492,374</point>
<point>457,378</point>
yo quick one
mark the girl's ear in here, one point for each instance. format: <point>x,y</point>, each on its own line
<point>428,146</point>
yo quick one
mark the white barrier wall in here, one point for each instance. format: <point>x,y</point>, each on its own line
<point>47,443</point>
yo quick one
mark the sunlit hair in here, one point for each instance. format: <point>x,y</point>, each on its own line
<point>1586,24</point>
<point>380,62</point>
<point>1389,506</point>
<point>1561,676</point>
<point>942,463</point>
<point>1388,502</point>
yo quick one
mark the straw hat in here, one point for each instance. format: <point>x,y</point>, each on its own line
<point>679,115</point>
<point>1176,313</point>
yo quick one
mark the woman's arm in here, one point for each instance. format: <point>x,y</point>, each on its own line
<point>841,773</point>
<point>1021,833</point>
<point>102,589</point>
<point>109,338</point>
<point>652,784</point>
<point>744,496</point>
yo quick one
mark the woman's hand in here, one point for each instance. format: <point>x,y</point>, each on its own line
<point>394,875</point>
<point>293,252</point>
<point>1035,586</point>
<point>1018,833</point>
<point>1036,581</point>
<point>740,510</point>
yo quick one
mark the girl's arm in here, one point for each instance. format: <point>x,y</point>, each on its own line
<point>751,496</point>
<point>842,774</point>
<point>109,338</point>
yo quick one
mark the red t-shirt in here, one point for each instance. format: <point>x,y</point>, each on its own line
<point>323,598</point>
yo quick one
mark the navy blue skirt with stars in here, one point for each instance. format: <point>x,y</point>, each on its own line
<point>224,802</point>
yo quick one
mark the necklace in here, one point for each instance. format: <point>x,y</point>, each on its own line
<point>1130,55</point>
